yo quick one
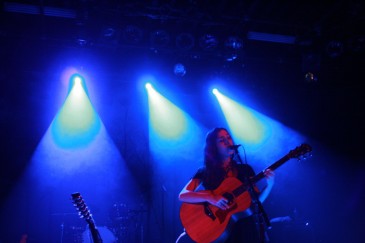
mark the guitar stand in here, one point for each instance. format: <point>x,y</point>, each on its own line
<point>260,216</point>
<point>261,219</point>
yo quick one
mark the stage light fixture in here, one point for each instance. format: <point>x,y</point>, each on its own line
<point>231,56</point>
<point>109,32</point>
<point>334,48</point>
<point>310,77</point>
<point>82,42</point>
<point>185,41</point>
<point>77,79</point>
<point>179,69</point>
<point>208,42</point>
<point>148,86</point>
<point>132,34</point>
<point>233,43</point>
<point>160,38</point>
<point>357,44</point>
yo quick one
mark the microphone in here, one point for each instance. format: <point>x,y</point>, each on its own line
<point>234,147</point>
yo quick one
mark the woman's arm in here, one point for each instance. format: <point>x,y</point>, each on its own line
<point>189,195</point>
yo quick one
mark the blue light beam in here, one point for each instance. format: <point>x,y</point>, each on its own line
<point>255,130</point>
<point>170,128</point>
<point>77,122</point>
<point>242,121</point>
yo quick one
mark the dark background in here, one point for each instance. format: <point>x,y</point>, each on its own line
<point>329,43</point>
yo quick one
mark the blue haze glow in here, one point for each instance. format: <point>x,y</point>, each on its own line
<point>75,154</point>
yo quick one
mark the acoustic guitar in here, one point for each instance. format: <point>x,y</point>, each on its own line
<point>206,223</point>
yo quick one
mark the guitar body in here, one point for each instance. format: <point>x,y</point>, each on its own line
<point>206,223</point>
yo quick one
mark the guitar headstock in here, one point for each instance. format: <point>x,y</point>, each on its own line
<point>81,207</point>
<point>84,212</point>
<point>300,151</point>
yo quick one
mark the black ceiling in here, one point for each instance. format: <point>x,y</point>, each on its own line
<point>324,35</point>
<point>328,38</point>
<point>310,22</point>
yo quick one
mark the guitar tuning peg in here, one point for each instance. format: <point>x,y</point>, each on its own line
<point>308,155</point>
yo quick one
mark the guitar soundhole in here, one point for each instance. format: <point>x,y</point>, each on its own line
<point>229,197</point>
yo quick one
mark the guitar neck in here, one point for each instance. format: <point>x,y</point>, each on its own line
<point>95,235</point>
<point>94,230</point>
<point>274,166</point>
<point>261,175</point>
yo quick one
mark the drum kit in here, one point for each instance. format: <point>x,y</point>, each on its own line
<point>123,225</point>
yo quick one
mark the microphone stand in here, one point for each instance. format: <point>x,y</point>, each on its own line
<point>261,218</point>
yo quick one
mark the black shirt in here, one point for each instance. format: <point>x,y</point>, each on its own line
<point>212,181</point>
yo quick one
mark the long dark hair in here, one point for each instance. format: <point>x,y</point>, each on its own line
<point>214,173</point>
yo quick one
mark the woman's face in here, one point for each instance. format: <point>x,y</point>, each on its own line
<point>224,140</point>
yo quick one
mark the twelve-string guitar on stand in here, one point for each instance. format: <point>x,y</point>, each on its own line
<point>85,213</point>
